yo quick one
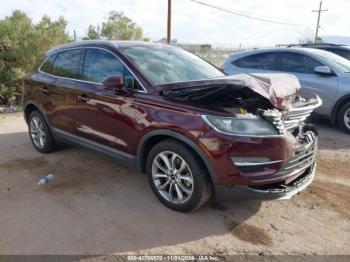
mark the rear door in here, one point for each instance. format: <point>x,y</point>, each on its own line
<point>61,107</point>
<point>302,66</point>
<point>256,63</point>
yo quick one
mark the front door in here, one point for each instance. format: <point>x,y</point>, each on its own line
<point>302,67</point>
<point>105,116</point>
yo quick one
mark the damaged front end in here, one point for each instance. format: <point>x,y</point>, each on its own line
<point>271,97</point>
<point>294,116</point>
<point>266,106</point>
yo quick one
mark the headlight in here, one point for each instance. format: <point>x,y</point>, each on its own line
<point>241,125</point>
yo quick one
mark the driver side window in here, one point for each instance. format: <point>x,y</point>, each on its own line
<point>100,65</point>
<point>298,63</point>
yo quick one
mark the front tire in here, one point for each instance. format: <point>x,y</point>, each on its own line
<point>40,134</point>
<point>344,117</point>
<point>177,177</point>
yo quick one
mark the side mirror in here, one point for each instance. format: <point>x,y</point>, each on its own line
<point>322,70</point>
<point>114,83</point>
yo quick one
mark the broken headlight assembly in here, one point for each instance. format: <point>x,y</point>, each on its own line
<point>241,124</point>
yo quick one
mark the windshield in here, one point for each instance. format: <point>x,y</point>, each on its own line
<point>165,65</point>
<point>337,62</point>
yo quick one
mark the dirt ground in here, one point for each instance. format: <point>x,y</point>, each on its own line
<point>96,205</point>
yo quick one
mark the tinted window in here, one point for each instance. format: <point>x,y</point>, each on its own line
<point>67,64</point>
<point>263,61</point>
<point>100,64</point>
<point>298,63</point>
<point>47,65</point>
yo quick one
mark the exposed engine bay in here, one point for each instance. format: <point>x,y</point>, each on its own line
<point>273,97</point>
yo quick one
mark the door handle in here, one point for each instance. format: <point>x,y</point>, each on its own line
<point>44,90</point>
<point>83,98</point>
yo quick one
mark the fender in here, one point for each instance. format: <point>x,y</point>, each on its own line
<point>41,110</point>
<point>178,136</point>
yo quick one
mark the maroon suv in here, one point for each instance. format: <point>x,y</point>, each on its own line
<point>194,131</point>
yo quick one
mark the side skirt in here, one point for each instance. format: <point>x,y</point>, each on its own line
<point>70,138</point>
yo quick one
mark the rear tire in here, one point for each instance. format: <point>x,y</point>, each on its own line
<point>40,134</point>
<point>344,117</point>
<point>185,185</point>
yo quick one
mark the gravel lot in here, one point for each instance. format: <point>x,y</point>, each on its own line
<point>97,205</point>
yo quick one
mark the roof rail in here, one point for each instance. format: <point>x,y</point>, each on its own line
<point>287,45</point>
<point>331,44</point>
<point>310,44</point>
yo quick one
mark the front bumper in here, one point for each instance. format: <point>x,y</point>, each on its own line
<point>266,192</point>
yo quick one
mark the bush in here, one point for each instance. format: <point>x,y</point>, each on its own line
<point>21,42</point>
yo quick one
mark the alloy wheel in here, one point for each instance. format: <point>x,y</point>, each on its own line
<point>172,177</point>
<point>347,118</point>
<point>37,132</point>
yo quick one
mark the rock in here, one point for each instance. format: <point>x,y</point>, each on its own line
<point>274,227</point>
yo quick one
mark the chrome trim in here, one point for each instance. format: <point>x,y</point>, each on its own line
<point>204,117</point>
<point>296,115</point>
<point>306,108</point>
<point>84,81</point>
<point>293,116</point>
<point>255,163</point>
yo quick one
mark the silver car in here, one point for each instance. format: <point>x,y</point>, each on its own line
<point>319,72</point>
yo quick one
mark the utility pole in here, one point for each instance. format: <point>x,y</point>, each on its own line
<point>168,38</point>
<point>318,19</point>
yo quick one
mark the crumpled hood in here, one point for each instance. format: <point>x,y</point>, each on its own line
<point>280,89</point>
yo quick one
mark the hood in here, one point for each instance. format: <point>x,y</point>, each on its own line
<point>279,89</point>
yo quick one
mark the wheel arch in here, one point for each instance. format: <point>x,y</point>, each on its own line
<point>30,106</point>
<point>153,137</point>
<point>338,105</point>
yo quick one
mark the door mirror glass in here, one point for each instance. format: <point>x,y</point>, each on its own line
<point>114,83</point>
<point>323,70</point>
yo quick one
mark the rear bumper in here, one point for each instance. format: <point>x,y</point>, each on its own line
<point>266,192</point>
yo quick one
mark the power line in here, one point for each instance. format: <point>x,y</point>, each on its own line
<point>239,13</point>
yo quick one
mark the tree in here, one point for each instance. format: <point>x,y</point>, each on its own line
<point>21,42</point>
<point>117,27</point>
<point>93,33</point>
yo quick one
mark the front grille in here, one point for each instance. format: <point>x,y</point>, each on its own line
<point>299,112</point>
<point>296,114</point>
<point>302,159</point>
<point>304,156</point>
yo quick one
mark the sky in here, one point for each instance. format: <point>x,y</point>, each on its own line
<point>194,23</point>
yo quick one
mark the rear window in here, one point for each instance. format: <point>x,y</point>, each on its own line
<point>67,64</point>
<point>47,65</point>
<point>263,61</point>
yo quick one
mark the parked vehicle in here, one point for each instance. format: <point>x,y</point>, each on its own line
<point>180,120</point>
<point>319,72</point>
<point>341,50</point>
